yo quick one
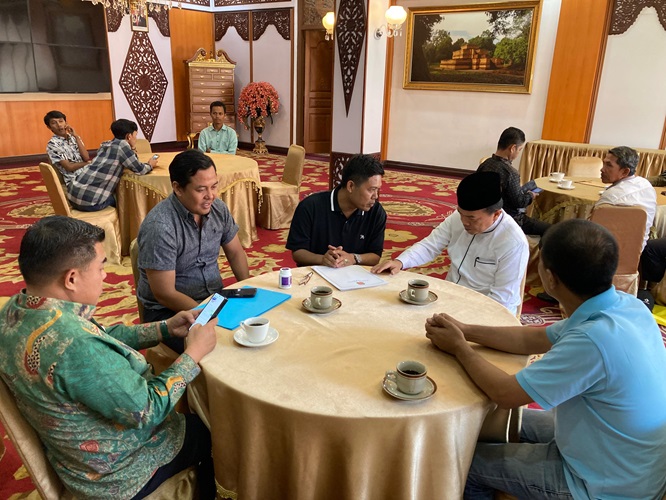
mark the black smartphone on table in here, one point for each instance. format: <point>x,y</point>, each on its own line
<point>210,310</point>
<point>239,293</point>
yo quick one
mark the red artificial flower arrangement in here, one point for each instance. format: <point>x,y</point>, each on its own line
<point>257,99</point>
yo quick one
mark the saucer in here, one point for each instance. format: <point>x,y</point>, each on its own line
<point>391,388</point>
<point>241,337</point>
<point>553,180</point>
<point>335,304</point>
<point>567,188</point>
<point>432,297</point>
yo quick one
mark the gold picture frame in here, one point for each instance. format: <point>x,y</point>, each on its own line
<point>500,57</point>
<point>139,16</point>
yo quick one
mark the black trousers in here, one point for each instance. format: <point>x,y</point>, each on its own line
<point>197,451</point>
<point>533,226</point>
<point>653,260</point>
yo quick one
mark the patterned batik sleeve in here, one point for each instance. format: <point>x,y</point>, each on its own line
<point>115,384</point>
<point>136,336</point>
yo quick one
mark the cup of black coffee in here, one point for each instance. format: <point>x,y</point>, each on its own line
<point>409,376</point>
<point>256,329</point>
<point>321,297</point>
<point>417,290</point>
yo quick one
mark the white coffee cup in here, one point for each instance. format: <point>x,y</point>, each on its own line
<point>557,176</point>
<point>256,329</point>
<point>409,376</point>
<point>417,290</point>
<point>321,297</point>
<point>566,183</point>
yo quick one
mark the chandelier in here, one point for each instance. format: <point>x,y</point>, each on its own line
<point>126,6</point>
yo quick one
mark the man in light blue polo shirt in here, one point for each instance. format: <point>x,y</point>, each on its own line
<point>218,138</point>
<point>601,381</point>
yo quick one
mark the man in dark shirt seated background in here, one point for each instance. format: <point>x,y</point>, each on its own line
<point>345,226</point>
<point>516,197</point>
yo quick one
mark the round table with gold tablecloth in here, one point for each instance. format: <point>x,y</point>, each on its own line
<point>239,188</point>
<point>306,417</point>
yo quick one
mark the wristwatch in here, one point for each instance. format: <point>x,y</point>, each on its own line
<point>357,258</point>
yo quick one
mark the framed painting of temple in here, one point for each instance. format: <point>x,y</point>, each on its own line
<point>480,47</point>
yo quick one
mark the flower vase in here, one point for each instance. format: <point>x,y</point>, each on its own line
<point>259,145</point>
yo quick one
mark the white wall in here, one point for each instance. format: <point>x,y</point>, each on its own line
<point>272,63</point>
<point>456,129</point>
<point>375,76</point>
<point>631,103</point>
<point>346,136</point>
<point>239,51</point>
<point>119,41</point>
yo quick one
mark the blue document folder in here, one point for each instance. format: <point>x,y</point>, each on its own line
<point>237,310</point>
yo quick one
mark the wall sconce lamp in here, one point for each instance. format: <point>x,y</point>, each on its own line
<point>395,17</point>
<point>329,23</point>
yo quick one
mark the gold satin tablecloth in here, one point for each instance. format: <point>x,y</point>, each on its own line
<point>306,417</point>
<point>239,188</point>
<point>540,158</point>
<point>555,204</point>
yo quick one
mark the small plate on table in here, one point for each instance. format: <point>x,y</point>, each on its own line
<point>432,297</point>
<point>335,304</point>
<point>559,186</point>
<point>241,337</point>
<point>391,388</point>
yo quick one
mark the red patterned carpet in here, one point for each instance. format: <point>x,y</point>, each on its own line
<point>415,203</point>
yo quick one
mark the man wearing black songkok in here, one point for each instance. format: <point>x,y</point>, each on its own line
<point>488,250</point>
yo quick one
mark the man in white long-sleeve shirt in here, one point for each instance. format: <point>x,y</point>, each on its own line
<point>488,250</point>
<point>627,188</point>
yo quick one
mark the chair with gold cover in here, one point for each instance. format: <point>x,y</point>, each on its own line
<point>143,146</point>
<point>279,199</point>
<point>107,218</point>
<point>584,166</point>
<point>31,451</point>
<point>627,224</point>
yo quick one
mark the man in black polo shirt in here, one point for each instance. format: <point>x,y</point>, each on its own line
<point>345,226</point>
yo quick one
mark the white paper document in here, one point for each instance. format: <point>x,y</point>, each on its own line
<point>349,278</point>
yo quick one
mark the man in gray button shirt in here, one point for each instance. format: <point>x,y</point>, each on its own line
<point>179,241</point>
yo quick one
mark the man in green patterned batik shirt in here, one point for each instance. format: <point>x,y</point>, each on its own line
<point>107,423</point>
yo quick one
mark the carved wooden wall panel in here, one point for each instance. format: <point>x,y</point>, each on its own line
<point>338,162</point>
<point>625,13</point>
<point>114,17</point>
<point>313,11</point>
<point>239,20</point>
<point>280,18</point>
<point>350,32</point>
<point>143,82</point>
<point>161,18</point>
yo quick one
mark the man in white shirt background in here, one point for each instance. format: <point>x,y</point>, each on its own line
<point>487,248</point>
<point>627,188</point>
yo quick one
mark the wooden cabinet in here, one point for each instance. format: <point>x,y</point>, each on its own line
<point>210,79</point>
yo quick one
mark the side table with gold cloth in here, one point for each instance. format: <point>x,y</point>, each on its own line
<point>239,188</point>
<point>555,204</point>
<point>306,417</point>
<point>540,158</point>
